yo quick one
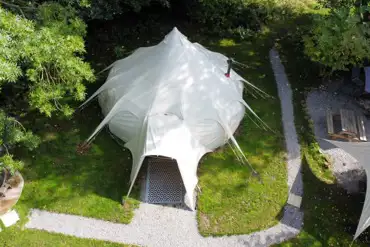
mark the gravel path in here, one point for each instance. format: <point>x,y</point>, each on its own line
<point>161,226</point>
<point>295,182</point>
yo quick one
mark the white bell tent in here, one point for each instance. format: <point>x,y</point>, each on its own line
<point>174,100</point>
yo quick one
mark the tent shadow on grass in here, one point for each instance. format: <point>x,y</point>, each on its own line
<point>328,211</point>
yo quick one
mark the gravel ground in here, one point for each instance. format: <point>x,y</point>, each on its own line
<point>345,167</point>
<point>156,226</point>
<point>162,226</point>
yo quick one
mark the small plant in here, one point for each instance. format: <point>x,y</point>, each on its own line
<point>11,165</point>
<point>120,51</point>
<point>12,133</point>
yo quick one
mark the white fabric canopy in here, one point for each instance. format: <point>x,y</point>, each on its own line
<point>359,151</point>
<point>173,100</point>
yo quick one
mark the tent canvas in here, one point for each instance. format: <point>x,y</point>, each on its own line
<point>172,99</point>
<point>360,151</point>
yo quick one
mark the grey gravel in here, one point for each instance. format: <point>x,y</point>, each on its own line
<point>161,226</point>
<point>155,226</point>
<point>345,167</point>
<point>295,182</point>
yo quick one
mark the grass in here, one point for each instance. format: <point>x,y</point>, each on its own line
<point>61,180</point>
<point>232,201</point>
<point>35,238</point>
<point>331,215</point>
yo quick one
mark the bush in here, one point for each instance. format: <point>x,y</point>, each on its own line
<point>43,57</point>
<point>107,9</point>
<point>221,15</point>
<point>338,40</point>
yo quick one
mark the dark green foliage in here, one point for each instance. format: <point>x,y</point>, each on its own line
<point>228,14</point>
<point>237,16</point>
<point>107,9</point>
<point>337,3</point>
<point>41,64</point>
<point>339,40</point>
<point>13,133</point>
<point>46,54</point>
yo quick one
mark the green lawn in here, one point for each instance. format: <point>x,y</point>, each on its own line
<point>61,180</point>
<point>34,238</point>
<point>232,201</point>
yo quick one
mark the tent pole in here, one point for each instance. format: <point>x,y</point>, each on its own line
<point>132,182</point>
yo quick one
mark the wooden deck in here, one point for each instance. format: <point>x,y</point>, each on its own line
<point>351,127</point>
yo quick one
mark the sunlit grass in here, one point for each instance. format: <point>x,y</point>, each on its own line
<point>232,200</point>
<point>227,42</point>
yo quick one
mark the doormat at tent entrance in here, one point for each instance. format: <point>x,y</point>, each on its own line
<point>164,184</point>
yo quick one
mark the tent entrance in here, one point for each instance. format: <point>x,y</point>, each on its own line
<point>163,183</point>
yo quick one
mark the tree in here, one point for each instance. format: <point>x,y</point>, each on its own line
<point>40,58</point>
<point>339,40</point>
<point>13,133</point>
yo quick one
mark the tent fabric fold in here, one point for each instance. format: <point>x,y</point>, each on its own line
<point>172,99</point>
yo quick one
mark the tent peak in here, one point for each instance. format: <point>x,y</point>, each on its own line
<point>175,36</point>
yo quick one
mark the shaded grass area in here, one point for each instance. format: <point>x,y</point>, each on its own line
<point>331,215</point>
<point>59,179</point>
<point>232,200</point>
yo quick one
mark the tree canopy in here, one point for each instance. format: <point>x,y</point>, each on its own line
<point>43,56</point>
<point>41,59</point>
<point>340,39</point>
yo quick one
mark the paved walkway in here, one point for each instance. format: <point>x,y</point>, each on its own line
<point>162,226</point>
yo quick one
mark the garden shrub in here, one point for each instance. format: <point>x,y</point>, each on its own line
<point>43,57</point>
<point>221,15</point>
<point>41,68</point>
<point>338,40</point>
<point>227,14</point>
<point>107,9</point>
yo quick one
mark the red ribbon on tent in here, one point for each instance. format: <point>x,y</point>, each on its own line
<point>229,62</point>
